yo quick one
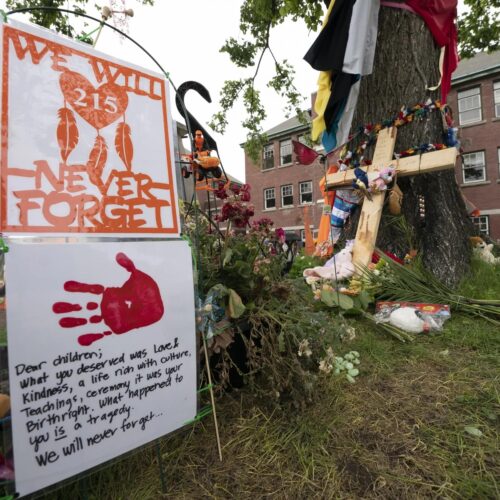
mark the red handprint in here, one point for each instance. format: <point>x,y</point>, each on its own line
<point>137,303</point>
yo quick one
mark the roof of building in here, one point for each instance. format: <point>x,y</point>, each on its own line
<point>287,126</point>
<point>481,64</point>
<point>234,179</point>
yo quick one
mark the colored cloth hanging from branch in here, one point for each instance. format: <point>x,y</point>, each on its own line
<point>440,16</point>
<point>343,51</point>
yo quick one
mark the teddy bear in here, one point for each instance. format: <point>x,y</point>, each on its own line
<point>384,177</point>
<point>339,267</point>
<point>484,251</point>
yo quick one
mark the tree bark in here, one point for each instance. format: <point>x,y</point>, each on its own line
<point>406,63</point>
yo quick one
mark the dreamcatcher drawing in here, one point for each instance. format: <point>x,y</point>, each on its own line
<point>99,107</point>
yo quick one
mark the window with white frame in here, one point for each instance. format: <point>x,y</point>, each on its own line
<point>469,106</point>
<point>482,223</point>
<point>287,195</point>
<point>269,198</point>
<point>315,233</point>
<point>286,152</point>
<point>303,139</point>
<point>306,192</point>
<point>498,154</point>
<point>268,157</point>
<point>496,98</point>
<point>473,167</point>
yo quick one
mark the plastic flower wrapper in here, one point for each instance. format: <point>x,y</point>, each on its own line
<point>211,311</point>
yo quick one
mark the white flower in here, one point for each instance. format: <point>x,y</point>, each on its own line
<point>324,366</point>
<point>304,349</point>
<point>208,308</point>
<point>311,279</point>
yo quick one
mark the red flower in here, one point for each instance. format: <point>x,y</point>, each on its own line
<point>221,192</point>
<point>245,192</point>
<point>263,224</point>
<point>235,188</point>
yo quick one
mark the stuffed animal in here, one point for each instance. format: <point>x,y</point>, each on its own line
<point>339,267</point>
<point>385,177</point>
<point>483,250</point>
<point>407,319</point>
<point>361,182</point>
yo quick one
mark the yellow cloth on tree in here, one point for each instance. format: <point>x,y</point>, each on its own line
<point>323,94</point>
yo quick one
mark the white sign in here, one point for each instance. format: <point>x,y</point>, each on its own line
<point>102,352</point>
<point>86,141</point>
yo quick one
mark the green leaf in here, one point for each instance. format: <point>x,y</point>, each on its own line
<point>243,269</point>
<point>227,257</point>
<point>236,306</point>
<point>332,298</point>
<point>365,299</point>
<point>281,341</point>
<point>345,302</point>
<point>473,431</point>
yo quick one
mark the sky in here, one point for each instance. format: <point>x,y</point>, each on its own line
<point>185,36</point>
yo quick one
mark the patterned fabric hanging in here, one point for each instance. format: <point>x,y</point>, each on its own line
<point>343,51</point>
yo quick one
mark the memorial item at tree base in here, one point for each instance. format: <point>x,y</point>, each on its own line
<point>371,212</point>
<point>412,317</point>
<point>339,267</point>
<point>483,250</point>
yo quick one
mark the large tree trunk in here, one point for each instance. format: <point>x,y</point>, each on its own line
<point>406,63</point>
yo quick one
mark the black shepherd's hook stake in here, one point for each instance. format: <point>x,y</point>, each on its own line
<point>193,122</point>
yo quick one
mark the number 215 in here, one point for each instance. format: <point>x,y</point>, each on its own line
<point>109,104</point>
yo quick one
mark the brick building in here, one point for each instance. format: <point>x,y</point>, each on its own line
<point>475,99</point>
<point>282,188</point>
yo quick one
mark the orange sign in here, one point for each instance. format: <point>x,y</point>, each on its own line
<point>86,141</point>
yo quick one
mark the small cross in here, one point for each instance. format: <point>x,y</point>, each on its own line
<point>371,212</point>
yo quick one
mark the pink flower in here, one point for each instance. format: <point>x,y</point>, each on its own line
<point>245,192</point>
<point>280,235</point>
<point>264,223</point>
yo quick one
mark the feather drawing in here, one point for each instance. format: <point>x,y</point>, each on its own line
<point>97,161</point>
<point>67,132</point>
<point>123,144</point>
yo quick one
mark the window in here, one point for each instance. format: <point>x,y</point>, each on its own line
<point>498,154</point>
<point>315,233</point>
<point>268,157</point>
<point>482,223</point>
<point>469,106</point>
<point>303,139</point>
<point>286,152</point>
<point>496,98</point>
<point>474,169</point>
<point>287,195</point>
<point>306,192</point>
<point>269,198</point>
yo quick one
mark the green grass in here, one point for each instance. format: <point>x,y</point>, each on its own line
<point>398,433</point>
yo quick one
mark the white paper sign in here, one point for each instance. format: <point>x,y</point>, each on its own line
<point>86,141</point>
<point>102,352</point>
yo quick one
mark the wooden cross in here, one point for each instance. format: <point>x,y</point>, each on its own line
<point>371,212</point>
